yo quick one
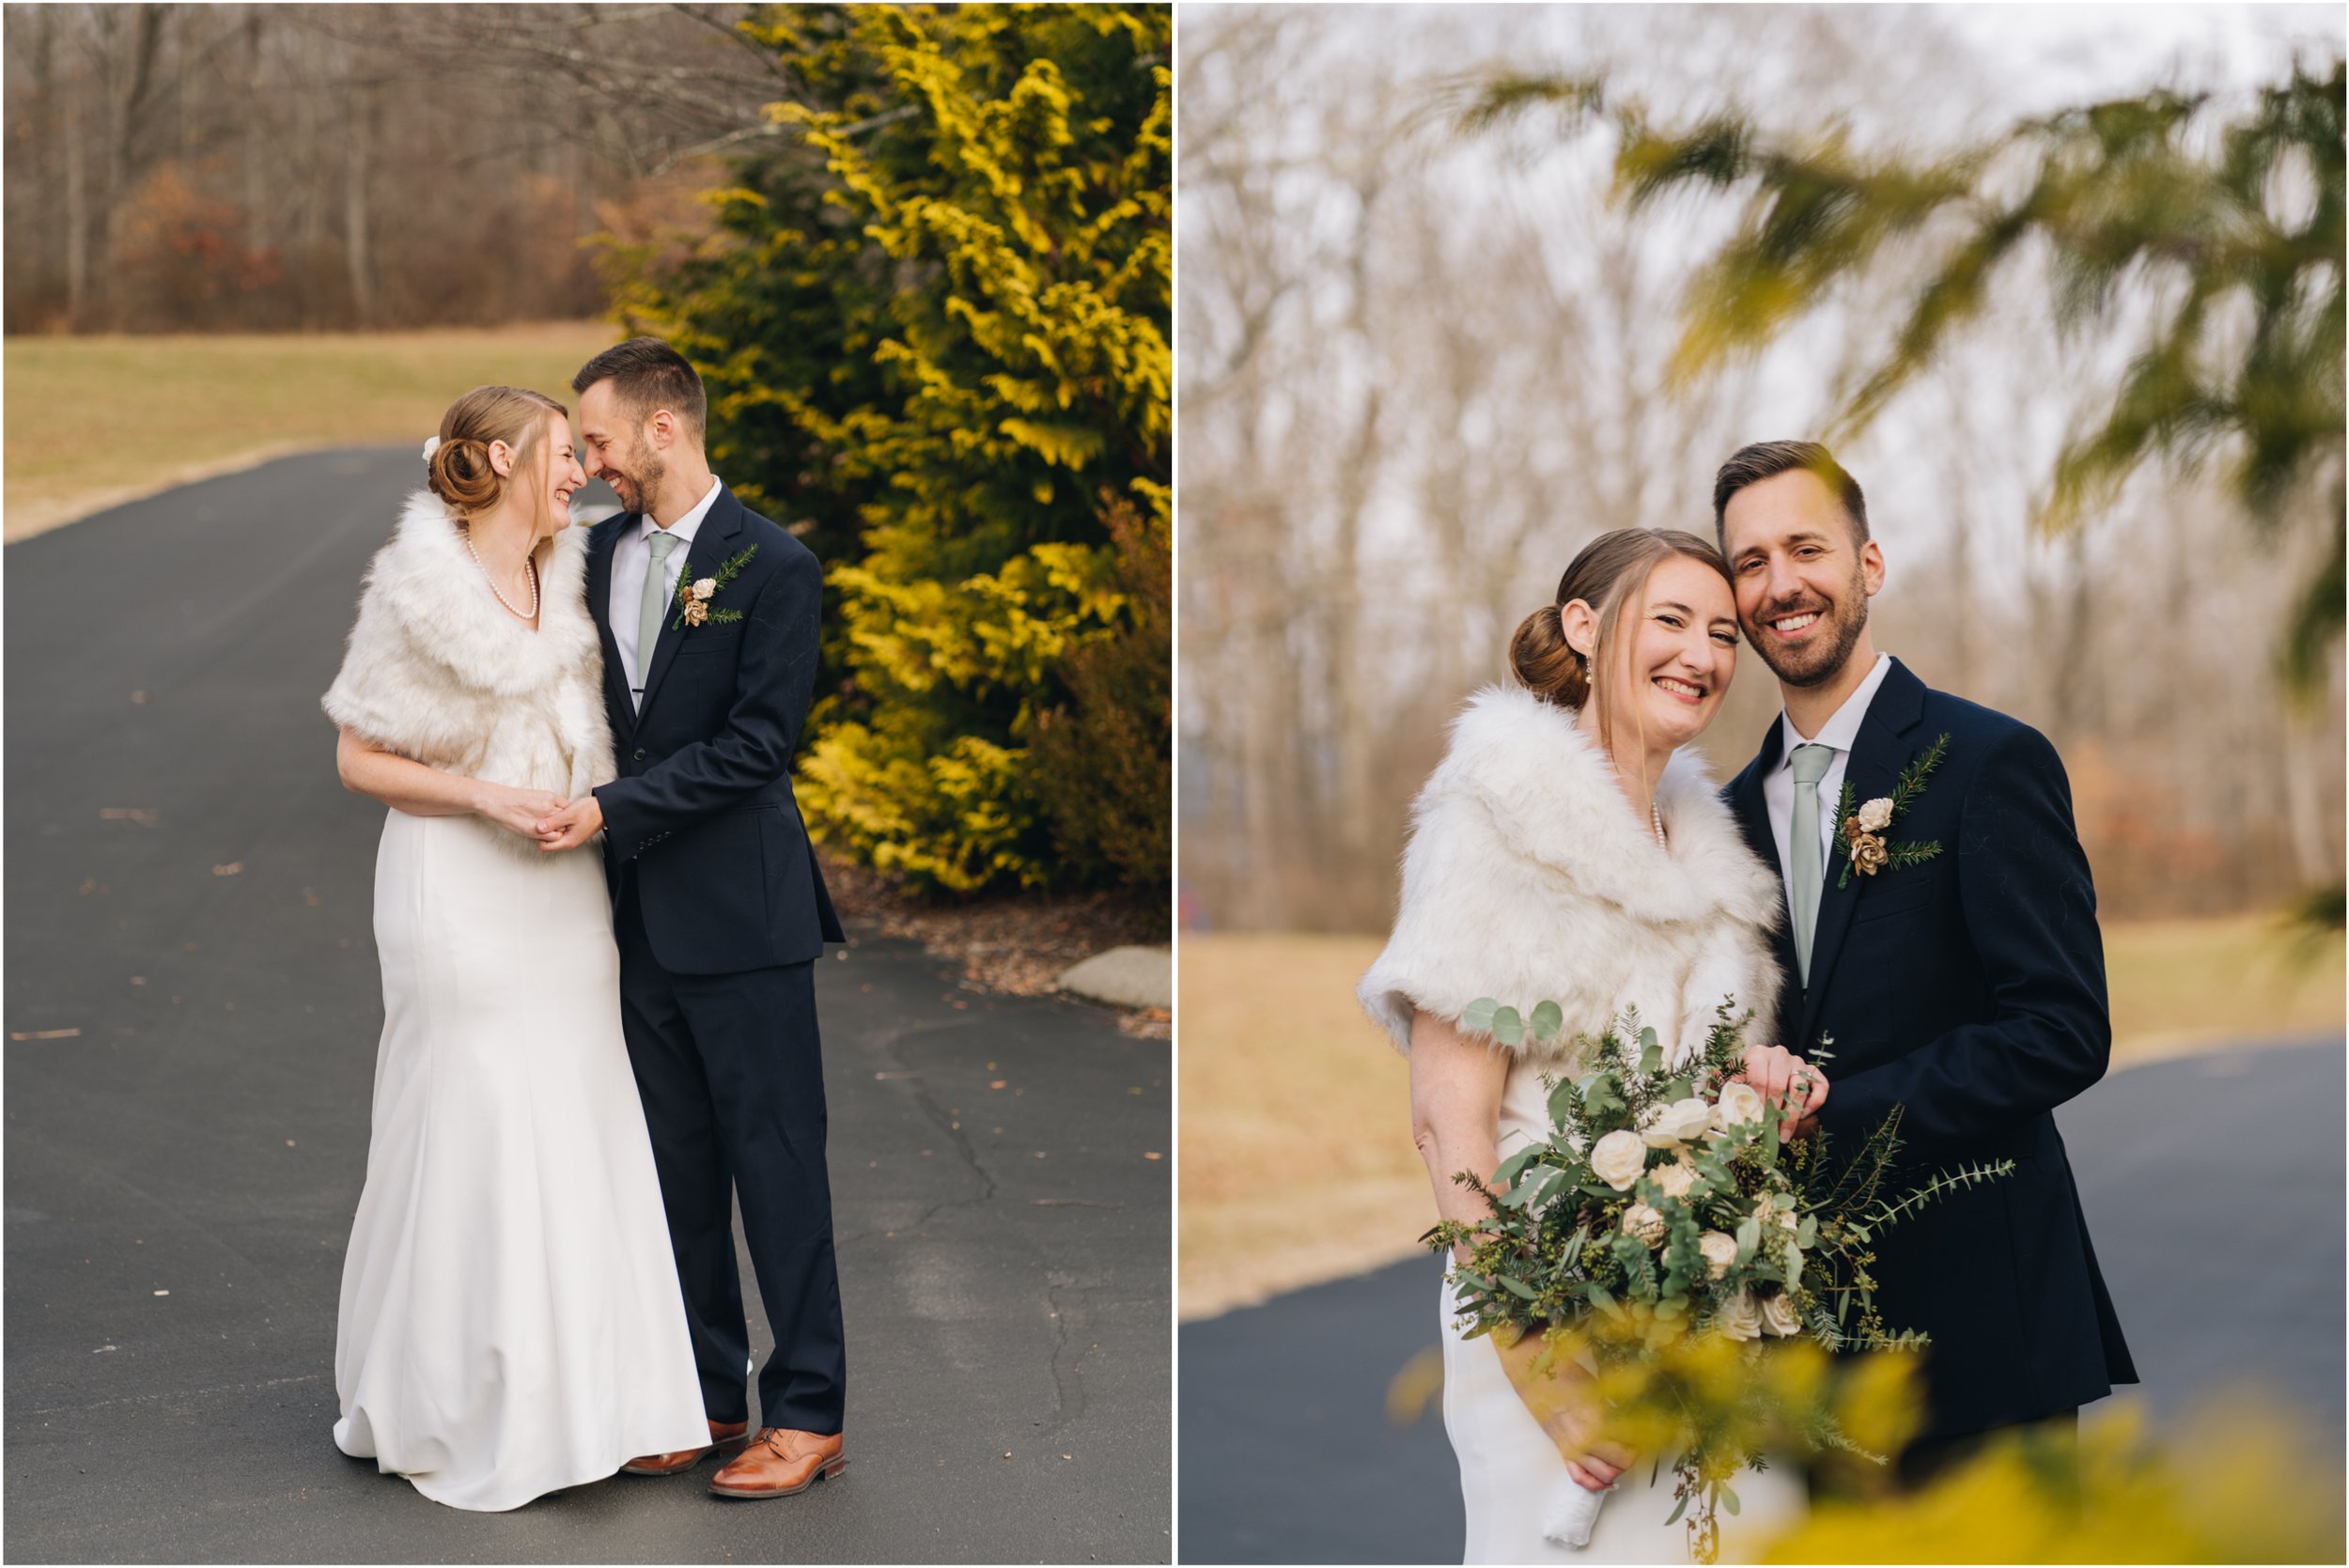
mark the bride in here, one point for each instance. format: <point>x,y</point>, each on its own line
<point>1566,849</point>
<point>511,1321</point>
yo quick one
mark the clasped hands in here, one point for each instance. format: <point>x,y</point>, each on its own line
<point>570,827</point>
<point>543,816</point>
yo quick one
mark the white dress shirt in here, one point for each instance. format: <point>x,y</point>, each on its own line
<point>1778,789</point>
<point>630,559</point>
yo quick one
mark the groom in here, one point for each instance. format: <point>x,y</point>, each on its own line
<point>1956,966</point>
<point>707,614</point>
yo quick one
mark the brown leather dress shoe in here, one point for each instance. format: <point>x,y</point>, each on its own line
<point>724,1437</point>
<point>780,1463</point>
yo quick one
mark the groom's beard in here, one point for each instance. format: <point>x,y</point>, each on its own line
<point>637,484</point>
<point>1819,660</point>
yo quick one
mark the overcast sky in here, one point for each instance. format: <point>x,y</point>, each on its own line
<point>2060,54</point>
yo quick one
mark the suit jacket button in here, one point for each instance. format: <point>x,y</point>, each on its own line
<point>639,754</point>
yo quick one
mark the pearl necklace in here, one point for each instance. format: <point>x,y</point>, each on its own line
<point>530,564</point>
<point>1656,819</point>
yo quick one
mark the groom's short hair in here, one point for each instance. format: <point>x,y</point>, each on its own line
<point>1767,459</point>
<point>646,375</point>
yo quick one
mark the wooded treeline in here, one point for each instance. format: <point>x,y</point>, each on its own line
<point>199,168</point>
<point>1421,367</point>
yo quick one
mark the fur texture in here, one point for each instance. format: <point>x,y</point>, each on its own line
<point>437,671</point>
<point>1528,879</point>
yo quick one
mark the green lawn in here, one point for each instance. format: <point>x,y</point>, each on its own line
<point>95,421</point>
<point>1297,1162</point>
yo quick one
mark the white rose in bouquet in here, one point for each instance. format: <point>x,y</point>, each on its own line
<point>1645,1223</point>
<point>1778,1316</point>
<point>1720,1252</point>
<point>1738,1317</point>
<point>1676,1178</point>
<point>1876,816</point>
<point>1740,1104</point>
<point>1678,1122</point>
<point>1619,1158</point>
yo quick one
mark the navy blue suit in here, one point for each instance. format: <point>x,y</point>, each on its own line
<point>1970,990</point>
<point>720,911</point>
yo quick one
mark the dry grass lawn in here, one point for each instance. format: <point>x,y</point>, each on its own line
<point>1297,1158</point>
<point>93,422</point>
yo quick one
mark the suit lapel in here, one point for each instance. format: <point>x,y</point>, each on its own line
<point>711,543</point>
<point>1879,752</point>
<point>602,545</point>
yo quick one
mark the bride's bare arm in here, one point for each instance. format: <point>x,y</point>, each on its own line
<point>1457,1086</point>
<point>406,785</point>
<point>1455,1110</point>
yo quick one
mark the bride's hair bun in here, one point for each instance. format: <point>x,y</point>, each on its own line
<point>1540,656</point>
<point>460,470</point>
<point>462,475</point>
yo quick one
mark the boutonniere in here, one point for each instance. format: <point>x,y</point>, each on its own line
<point>1861,840</point>
<point>694,594</point>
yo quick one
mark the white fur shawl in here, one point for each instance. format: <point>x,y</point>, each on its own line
<point>1528,879</point>
<point>437,671</point>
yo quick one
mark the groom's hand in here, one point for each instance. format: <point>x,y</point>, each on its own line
<point>1786,1080</point>
<point>571,827</point>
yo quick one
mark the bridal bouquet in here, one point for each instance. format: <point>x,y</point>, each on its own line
<point>1664,1233</point>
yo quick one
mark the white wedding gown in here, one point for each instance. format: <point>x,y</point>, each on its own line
<point>1510,1471</point>
<point>511,1321</point>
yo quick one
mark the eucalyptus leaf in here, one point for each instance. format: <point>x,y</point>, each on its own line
<point>1679,1507</point>
<point>1749,1238</point>
<point>1729,1498</point>
<point>1508,1028</point>
<point>1549,1018</point>
<point>1478,1020</point>
<point>1518,1287</point>
<point>1513,1166</point>
<point>1651,1054</point>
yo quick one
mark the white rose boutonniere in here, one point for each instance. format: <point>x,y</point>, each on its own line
<point>694,597</point>
<point>1618,1158</point>
<point>1861,839</point>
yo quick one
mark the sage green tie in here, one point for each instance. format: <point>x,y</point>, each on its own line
<point>655,605</point>
<point>1802,841</point>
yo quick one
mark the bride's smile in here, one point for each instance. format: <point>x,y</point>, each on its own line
<point>1685,650</point>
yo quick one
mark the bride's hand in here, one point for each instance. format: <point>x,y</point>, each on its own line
<point>1564,1402</point>
<point>1786,1080</point>
<point>518,811</point>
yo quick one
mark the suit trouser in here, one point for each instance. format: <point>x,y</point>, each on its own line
<point>732,1080</point>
